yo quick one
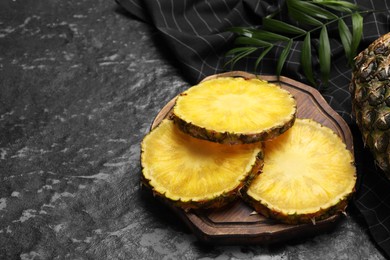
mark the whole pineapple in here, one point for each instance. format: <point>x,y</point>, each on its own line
<point>370,89</point>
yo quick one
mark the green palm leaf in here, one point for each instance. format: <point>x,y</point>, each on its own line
<point>357,31</point>
<point>283,57</point>
<point>261,56</point>
<point>324,54</point>
<point>312,10</point>
<point>303,18</point>
<point>251,41</point>
<point>241,31</point>
<point>281,27</point>
<point>237,50</point>
<point>338,5</point>
<point>306,59</point>
<point>270,36</point>
<point>346,39</point>
<point>307,18</point>
<point>239,54</point>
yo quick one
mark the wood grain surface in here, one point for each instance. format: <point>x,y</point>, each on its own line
<point>237,223</point>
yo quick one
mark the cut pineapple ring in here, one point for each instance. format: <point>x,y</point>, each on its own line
<point>308,175</point>
<point>193,172</point>
<point>235,110</point>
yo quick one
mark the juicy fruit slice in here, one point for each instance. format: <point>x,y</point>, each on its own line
<point>235,110</point>
<point>308,175</point>
<point>371,99</point>
<point>195,173</point>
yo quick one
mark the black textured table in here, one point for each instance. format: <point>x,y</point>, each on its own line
<point>80,84</point>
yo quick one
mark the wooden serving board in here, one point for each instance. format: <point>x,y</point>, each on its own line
<point>237,223</point>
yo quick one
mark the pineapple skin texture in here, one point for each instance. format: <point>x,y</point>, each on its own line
<point>231,138</point>
<point>370,90</point>
<point>294,219</point>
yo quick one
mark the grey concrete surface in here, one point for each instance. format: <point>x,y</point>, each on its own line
<point>80,83</point>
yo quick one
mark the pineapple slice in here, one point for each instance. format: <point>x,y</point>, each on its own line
<point>235,110</point>
<point>308,175</point>
<point>195,173</point>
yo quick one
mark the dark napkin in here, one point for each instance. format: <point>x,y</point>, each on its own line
<point>196,34</point>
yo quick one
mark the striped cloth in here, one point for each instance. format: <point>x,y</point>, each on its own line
<point>195,32</point>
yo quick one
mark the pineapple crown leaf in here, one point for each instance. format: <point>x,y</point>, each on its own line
<point>307,18</point>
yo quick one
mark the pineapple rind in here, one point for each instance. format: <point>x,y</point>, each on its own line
<point>231,138</point>
<point>215,200</point>
<point>259,131</point>
<point>298,218</point>
<point>371,99</point>
<point>307,213</point>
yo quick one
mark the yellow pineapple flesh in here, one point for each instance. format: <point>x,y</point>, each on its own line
<point>308,175</point>
<point>235,110</point>
<point>195,173</point>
